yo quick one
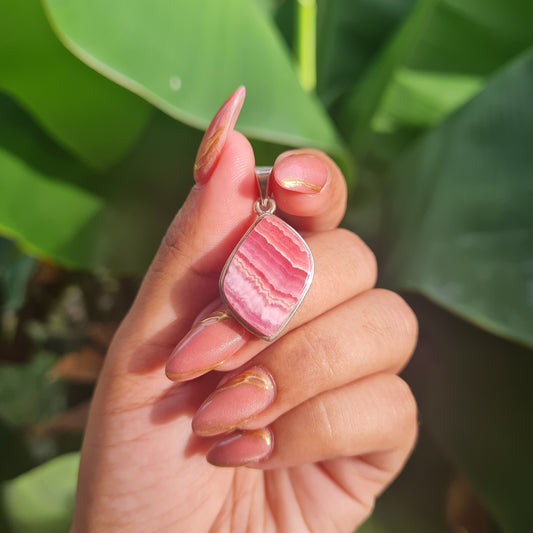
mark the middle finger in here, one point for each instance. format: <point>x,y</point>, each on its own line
<point>218,341</point>
<point>374,332</point>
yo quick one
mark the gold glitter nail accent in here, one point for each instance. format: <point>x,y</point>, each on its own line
<point>216,430</point>
<point>261,433</point>
<point>264,434</point>
<point>257,378</point>
<point>292,183</point>
<point>218,316</point>
<point>177,376</point>
<point>203,159</point>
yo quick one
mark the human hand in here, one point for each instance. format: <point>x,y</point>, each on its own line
<point>319,416</point>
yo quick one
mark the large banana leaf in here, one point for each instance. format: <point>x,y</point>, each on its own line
<point>350,33</point>
<point>55,207</point>
<point>460,223</point>
<point>186,57</point>
<point>60,213</point>
<point>436,62</point>
<point>92,117</point>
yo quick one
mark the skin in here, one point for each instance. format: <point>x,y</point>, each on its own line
<point>343,423</point>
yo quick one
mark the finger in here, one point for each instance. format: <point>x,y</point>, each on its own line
<point>218,210</point>
<point>374,419</point>
<point>184,274</point>
<point>310,189</point>
<point>223,344</point>
<point>374,332</point>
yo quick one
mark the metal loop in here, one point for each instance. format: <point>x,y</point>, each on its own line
<point>265,207</point>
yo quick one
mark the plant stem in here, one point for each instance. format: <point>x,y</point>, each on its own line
<point>306,42</point>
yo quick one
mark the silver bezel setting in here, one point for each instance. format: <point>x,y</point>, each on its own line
<point>305,289</point>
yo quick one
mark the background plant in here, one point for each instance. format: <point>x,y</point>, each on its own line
<point>427,106</point>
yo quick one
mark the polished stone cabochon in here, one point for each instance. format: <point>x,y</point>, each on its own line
<point>267,276</point>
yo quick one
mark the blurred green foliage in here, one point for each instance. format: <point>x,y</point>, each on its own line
<point>427,106</point>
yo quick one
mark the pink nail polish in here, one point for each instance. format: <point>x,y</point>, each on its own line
<point>241,448</point>
<point>215,136</point>
<point>235,401</point>
<point>301,173</point>
<point>212,340</point>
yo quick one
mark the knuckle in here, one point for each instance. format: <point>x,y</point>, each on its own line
<point>400,315</point>
<point>359,256</point>
<point>405,407</point>
<point>320,351</point>
<point>328,428</point>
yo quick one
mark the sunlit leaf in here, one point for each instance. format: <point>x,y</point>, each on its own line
<point>42,500</point>
<point>187,57</point>
<point>94,118</point>
<point>60,212</point>
<point>55,207</point>
<point>419,98</point>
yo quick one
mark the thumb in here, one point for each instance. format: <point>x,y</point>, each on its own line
<point>183,277</point>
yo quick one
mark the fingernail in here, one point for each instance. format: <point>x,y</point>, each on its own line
<point>212,340</point>
<point>301,173</point>
<point>215,136</point>
<point>235,402</point>
<point>241,448</point>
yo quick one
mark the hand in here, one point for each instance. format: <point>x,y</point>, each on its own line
<point>319,416</point>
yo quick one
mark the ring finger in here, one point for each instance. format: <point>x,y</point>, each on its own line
<point>374,332</point>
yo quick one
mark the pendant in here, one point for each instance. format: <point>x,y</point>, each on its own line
<point>269,272</point>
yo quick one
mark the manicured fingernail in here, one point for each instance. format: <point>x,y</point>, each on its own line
<point>215,337</point>
<point>241,448</point>
<point>215,136</point>
<point>301,173</point>
<point>235,402</point>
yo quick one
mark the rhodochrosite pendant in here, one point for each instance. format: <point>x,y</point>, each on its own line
<point>267,276</point>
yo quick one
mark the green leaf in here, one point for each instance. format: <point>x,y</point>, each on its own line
<point>418,98</point>
<point>114,220</point>
<point>42,500</point>
<point>85,112</point>
<point>49,216</point>
<point>455,38</point>
<point>474,395</point>
<point>459,220</point>
<point>187,57</point>
<point>48,196</point>
<point>350,33</point>
<point>144,193</point>
<point>269,6</point>
<point>15,456</point>
<point>27,395</point>
<point>15,271</point>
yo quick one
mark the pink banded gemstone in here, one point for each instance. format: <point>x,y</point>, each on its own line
<point>267,276</point>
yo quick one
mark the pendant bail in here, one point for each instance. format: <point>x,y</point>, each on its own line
<point>264,204</point>
<point>263,177</point>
